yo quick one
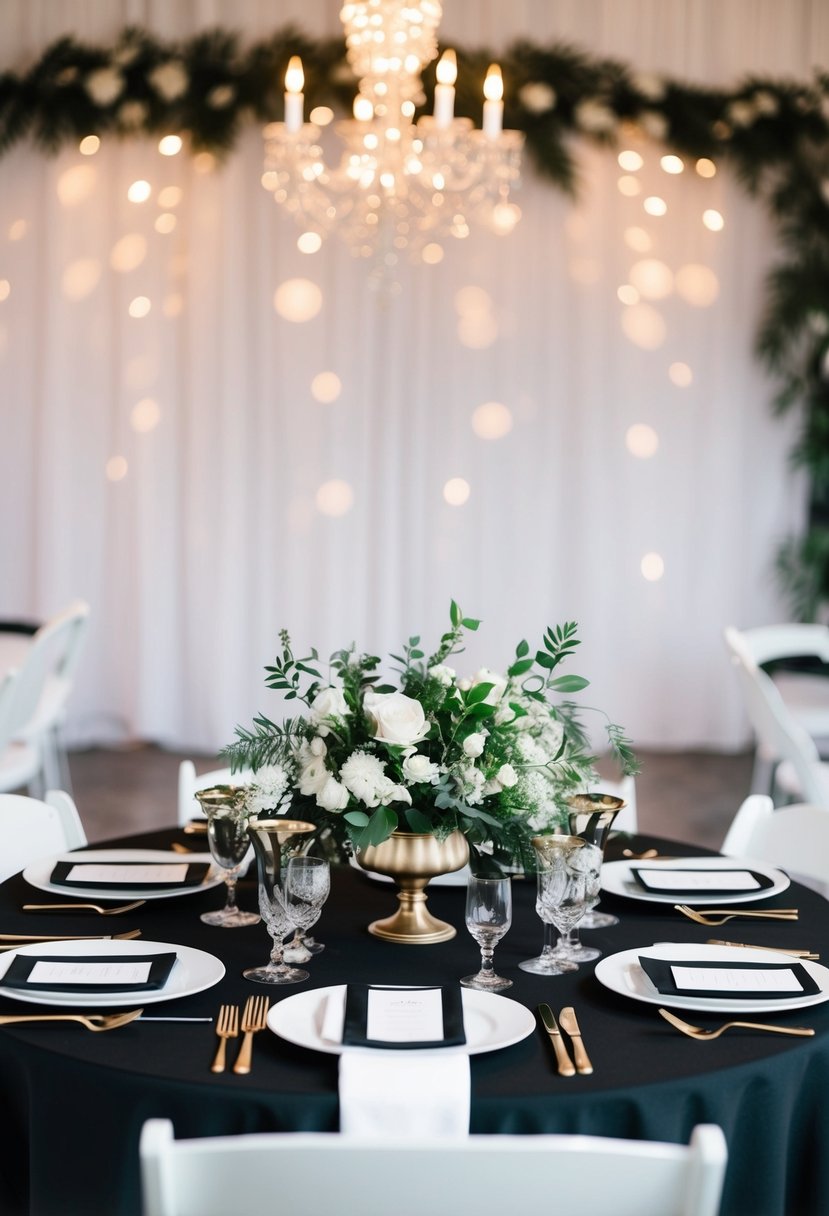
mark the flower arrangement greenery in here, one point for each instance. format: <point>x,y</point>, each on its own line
<point>495,756</point>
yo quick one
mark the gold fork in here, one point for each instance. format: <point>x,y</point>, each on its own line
<point>9,941</point>
<point>718,916</point>
<point>84,907</point>
<point>92,1021</point>
<point>227,1027</point>
<point>697,1032</point>
<point>254,1017</point>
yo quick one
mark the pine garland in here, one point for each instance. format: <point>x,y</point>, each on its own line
<point>775,133</point>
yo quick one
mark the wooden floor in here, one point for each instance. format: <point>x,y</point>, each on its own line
<point>690,796</point>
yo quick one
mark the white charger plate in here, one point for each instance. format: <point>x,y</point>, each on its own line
<point>490,1021</point>
<point>194,971</point>
<point>622,973</point>
<point>617,879</point>
<point>38,874</point>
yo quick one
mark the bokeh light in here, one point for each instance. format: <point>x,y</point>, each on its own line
<point>432,253</point>
<point>627,294</point>
<point>80,278</point>
<point>326,387</point>
<point>629,160</point>
<point>654,205</point>
<point>706,167</point>
<point>139,307</point>
<point>642,441</point>
<point>116,468</point>
<point>89,145</point>
<point>652,567</point>
<point>680,374</point>
<point>492,420</point>
<point>170,145</point>
<point>76,184</point>
<point>145,415</point>
<point>334,498</point>
<point>17,230</point>
<point>309,242</point>
<point>713,220</point>
<point>129,252</point>
<point>139,191</point>
<point>652,279</point>
<point>697,285</point>
<point>456,491</point>
<point>672,164</point>
<point>629,186</point>
<point>170,196</point>
<point>297,300</point>
<point>165,223</point>
<point>644,326</point>
<point>638,240</point>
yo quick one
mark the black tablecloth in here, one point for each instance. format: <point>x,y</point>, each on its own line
<point>74,1102</point>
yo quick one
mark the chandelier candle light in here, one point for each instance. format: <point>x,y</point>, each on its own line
<point>400,184</point>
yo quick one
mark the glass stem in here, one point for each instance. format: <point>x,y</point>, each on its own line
<point>486,960</point>
<point>231,892</point>
<point>276,954</point>
<point>547,948</point>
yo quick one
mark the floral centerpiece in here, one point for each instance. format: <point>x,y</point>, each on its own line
<point>494,756</point>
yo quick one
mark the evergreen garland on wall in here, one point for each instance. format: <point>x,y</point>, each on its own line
<point>775,133</point>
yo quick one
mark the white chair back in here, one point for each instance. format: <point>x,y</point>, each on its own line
<point>774,726</point>
<point>52,656</point>
<point>20,763</point>
<point>312,1175</point>
<point>31,829</point>
<point>189,781</point>
<point>794,838</point>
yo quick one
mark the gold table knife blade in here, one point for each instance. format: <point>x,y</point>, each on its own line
<point>565,1064</point>
<point>567,1017</point>
<point>807,954</point>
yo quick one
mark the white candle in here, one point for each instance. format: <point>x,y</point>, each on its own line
<point>447,74</point>
<point>493,105</point>
<point>294,100</point>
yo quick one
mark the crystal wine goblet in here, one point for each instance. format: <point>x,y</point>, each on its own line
<point>548,962</point>
<point>488,917</point>
<point>274,841</point>
<point>227,836</point>
<point>591,817</point>
<point>308,883</point>
<point>567,884</point>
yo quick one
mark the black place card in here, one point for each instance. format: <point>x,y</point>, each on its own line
<point>98,973</point>
<point>403,1018</point>
<point>133,875</point>
<point>706,885</point>
<point>747,981</point>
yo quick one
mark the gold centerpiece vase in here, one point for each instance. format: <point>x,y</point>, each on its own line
<point>412,859</point>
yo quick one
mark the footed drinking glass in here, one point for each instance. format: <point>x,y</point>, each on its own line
<point>568,881</point>
<point>274,842</point>
<point>591,817</point>
<point>488,917</point>
<point>227,836</point>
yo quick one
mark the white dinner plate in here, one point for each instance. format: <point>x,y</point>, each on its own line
<point>617,879</point>
<point>194,971</point>
<point>623,973</point>
<point>490,1021</point>
<point>38,874</point>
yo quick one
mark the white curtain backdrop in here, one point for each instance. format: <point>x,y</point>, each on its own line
<point>168,467</point>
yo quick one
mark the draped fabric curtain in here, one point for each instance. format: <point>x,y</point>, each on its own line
<point>178,470</point>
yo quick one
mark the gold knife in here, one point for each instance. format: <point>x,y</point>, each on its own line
<point>565,1064</point>
<point>567,1017</point>
<point>45,941</point>
<point>807,954</point>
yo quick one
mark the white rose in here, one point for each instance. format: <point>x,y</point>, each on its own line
<point>104,85</point>
<point>499,684</point>
<point>397,719</point>
<point>419,770</point>
<point>506,776</point>
<point>473,745</point>
<point>333,796</point>
<point>170,80</point>
<point>443,674</point>
<point>313,777</point>
<point>328,703</point>
<point>317,747</point>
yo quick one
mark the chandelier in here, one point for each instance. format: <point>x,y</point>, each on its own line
<point>399,185</point>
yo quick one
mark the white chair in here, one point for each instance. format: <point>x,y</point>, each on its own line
<point>31,829</point>
<point>20,763</point>
<point>794,838</point>
<point>319,1175</point>
<point>805,695</point>
<point>189,781</point>
<point>799,771</point>
<point>46,678</point>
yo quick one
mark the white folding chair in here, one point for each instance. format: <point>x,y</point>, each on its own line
<point>20,763</point>
<point>45,680</point>
<point>794,838</point>
<point>189,781</point>
<point>322,1174</point>
<point>31,829</point>
<point>798,771</point>
<point>805,695</point>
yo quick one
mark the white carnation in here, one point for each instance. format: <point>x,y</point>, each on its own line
<point>104,85</point>
<point>365,777</point>
<point>443,674</point>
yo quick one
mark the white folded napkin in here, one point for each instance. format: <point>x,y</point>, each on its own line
<point>413,1093</point>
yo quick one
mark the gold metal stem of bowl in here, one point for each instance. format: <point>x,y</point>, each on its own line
<point>411,859</point>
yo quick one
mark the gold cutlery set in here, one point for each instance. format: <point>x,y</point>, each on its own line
<point>570,1024</point>
<point>254,1018</point>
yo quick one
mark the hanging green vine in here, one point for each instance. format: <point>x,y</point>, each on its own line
<point>776,133</point>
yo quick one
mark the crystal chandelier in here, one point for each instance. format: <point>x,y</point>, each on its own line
<point>399,185</point>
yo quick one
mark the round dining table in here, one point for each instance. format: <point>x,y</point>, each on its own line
<point>74,1102</point>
